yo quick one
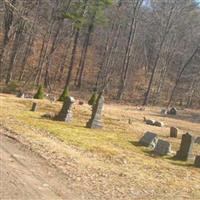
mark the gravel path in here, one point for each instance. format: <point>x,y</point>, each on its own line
<point>26,176</point>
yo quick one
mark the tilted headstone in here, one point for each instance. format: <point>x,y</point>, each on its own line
<point>197,140</point>
<point>162,147</point>
<point>173,132</point>
<point>150,122</point>
<point>197,161</point>
<point>185,151</point>
<point>159,124</point>
<point>149,139</point>
<point>66,113</point>
<point>34,107</point>
<point>95,120</point>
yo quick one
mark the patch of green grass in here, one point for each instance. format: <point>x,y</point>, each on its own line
<point>102,141</point>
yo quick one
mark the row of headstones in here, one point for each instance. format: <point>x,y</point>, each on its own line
<point>170,111</point>
<point>153,122</point>
<point>65,113</point>
<point>162,147</point>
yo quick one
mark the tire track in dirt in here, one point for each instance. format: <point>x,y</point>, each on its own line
<point>26,176</point>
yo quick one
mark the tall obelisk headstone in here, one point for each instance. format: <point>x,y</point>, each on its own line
<point>96,118</point>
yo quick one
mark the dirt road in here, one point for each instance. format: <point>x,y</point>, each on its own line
<point>26,176</point>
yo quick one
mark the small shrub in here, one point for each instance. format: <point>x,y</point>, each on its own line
<point>64,94</point>
<point>40,93</point>
<point>11,88</point>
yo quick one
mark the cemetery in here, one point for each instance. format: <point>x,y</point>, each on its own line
<point>99,99</point>
<point>101,139</point>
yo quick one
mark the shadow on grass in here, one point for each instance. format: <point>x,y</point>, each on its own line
<point>181,163</point>
<point>49,117</point>
<point>148,152</point>
<point>135,143</point>
<point>174,161</point>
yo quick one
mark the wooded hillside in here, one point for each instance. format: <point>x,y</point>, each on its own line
<point>146,52</point>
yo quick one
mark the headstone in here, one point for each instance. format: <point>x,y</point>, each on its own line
<point>21,95</point>
<point>66,114</point>
<point>197,140</point>
<point>185,151</point>
<point>149,139</point>
<point>52,99</point>
<point>162,147</point>
<point>173,132</point>
<point>34,107</point>
<point>159,124</point>
<point>197,162</point>
<point>95,120</point>
<point>130,121</point>
<point>172,111</point>
<point>163,112</point>
<point>150,122</point>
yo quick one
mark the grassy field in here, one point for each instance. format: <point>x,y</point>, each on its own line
<point>114,149</point>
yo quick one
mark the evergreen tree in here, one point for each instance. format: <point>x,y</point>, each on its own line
<point>40,93</point>
<point>64,94</point>
<point>93,98</point>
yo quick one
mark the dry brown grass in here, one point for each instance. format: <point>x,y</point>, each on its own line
<point>132,171</point>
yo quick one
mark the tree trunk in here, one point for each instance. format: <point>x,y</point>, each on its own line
<point>71,66</point>
<point>81,67</point>
<point>130,41</point>
<point>166,31</point>
<point>179,75</point>
<point>8,19</point>
<point>16,43</point>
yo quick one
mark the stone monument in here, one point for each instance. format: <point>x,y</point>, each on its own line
<point>149,139</point>
<point>158,124</point>
<point>66,114</point>
<point>197,162</point>
<point>173,132</point>
<point>172,111</point>
<point>185,151</point>
<point>162,148</point>
<point>34,107</point>
<point>95,120</point>
<point>197,140</point>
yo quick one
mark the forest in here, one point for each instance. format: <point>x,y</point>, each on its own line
<point>145,52</point>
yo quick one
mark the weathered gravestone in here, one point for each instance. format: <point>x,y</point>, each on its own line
<point>159,124</point>
<point>149,139</point>
<point>149,121</point>
<point>34,107</point>
<point>173,132</point>
<point>162,147</point>
<point>185,151</point>
<point>66,114</point>
<point>197,162</point>
<point>163,112</point>
<point>21,94</point>
<point>172,111</point>
<point>95,120</point>
<point>197,140</point>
